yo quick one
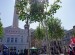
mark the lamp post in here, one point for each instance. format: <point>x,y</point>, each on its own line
<point>28,36</point>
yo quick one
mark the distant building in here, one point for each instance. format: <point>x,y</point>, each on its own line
<point>68,35</point>
<point>14,37</point>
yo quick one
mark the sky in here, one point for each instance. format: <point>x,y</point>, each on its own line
<point>66,13</point>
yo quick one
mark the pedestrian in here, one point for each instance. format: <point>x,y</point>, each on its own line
<point>18,52</point>
<point>70,50</point>
<point>74,50</point>
<point>0,52</point>
<point>64,50</point>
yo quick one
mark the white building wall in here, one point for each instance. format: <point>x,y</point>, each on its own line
<point>18,33</point>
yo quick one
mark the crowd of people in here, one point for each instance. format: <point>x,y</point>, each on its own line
<point>71,51</point>
<point>4,52</point>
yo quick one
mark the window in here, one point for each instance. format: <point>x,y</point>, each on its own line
<point>21,38</point>
<point>8,39</point>
<point>15,39</point>
<point>12,39</point>
<point>16,31</point>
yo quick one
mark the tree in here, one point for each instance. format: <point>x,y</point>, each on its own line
<point>33,11</point>
<point>1,29</point>
<point>39,33</point>
<point>55,30</point>
<point>39,37</point>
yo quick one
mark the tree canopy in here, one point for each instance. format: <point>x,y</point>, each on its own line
<point>55,29</point>
<point>39,33</point>
<point>1,29</point>
<point>36,11</point>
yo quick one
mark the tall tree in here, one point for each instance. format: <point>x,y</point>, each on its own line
<point>1,29</point>
<point>33,11</point>
<point>55,29</point>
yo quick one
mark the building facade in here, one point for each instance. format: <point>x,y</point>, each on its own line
<point>14,37</point>
<point>68,35</point>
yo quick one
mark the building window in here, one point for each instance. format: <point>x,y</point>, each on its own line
<point>15,39</point>
<point>12,39</point>
<point>16,31</point>
<point>21,38</point>
<point>8,39</point>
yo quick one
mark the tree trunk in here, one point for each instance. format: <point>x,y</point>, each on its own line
<point>47,39</point>
<point>28,36</point>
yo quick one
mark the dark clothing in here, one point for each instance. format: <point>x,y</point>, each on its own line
<point>71,53</point>
<point>73,50</point>
<point>34,53</point>
<point>5,53</point>
<point>11,53</point>
<point>25,52</point>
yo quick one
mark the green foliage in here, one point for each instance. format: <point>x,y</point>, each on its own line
<point>1,29</point>
<point>39,33</point>
<point>22,10</point>
<point>54,28</point>
<point>35,11</point>
<point>54,7</point>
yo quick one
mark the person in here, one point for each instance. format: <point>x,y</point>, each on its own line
<point>18,52</point>
<point>25,52</point>
<point>70,50</point>
<point>0,52</point>
<point>74,50</point>
<point>64,50</point>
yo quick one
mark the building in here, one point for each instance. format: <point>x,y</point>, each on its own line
<point>68,35</point>
<point>14,37</point>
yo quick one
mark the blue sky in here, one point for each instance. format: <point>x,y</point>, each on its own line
<point>66,13</point>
